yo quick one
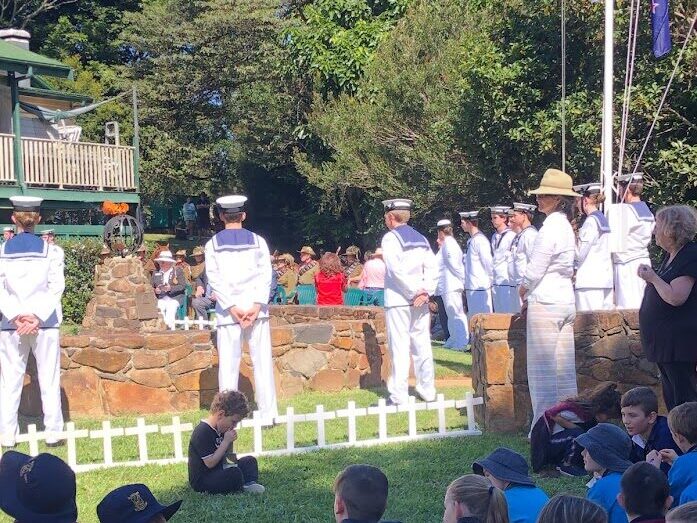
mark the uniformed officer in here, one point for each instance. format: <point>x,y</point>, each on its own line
<point>633,220</point>
<point>308,266</point>
<point>503,290</point>
<point>478,266</point>
<point>594,279</point>
<point>7,233</point>
<point>353,268</point>
<point>451,285</point>
<point>522,246</point>
<point>200,265</point>
<point>241,305</point>
<point>31,287</point>
<point>411,276</point>
<point>49,236</point>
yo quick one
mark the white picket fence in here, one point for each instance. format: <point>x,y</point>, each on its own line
<point>188,324</point>
<point>177,429</point>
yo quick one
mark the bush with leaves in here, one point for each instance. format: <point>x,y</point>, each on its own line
<point>81,256</point>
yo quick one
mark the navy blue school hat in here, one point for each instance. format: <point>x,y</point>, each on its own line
<point>39,489</point>
<point>506,465</point>
<point>608,445</point>
<point>133,504</point>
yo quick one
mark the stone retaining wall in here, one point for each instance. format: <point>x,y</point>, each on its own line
<point>113,372</point>
<point>608,348</point>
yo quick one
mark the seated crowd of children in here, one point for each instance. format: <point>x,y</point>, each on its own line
<point>645,473</point>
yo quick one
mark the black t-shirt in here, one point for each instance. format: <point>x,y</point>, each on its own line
<point>669,334</point>
<point>205,440</point>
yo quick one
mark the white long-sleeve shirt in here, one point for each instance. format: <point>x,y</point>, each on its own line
<point>548,275</point>
<point>593,259</point>
<point>410,266</point>
<point>451,267</point>
<point>32,280</point>
<point>502,257</point>
<point>238,266</point>
<point>521,249</point>
<point>635,222</point>
<point>478,263</point>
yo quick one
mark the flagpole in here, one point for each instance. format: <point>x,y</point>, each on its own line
<point>606,148</point>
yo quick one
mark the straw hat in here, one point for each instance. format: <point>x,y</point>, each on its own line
<point>307,250</point>
<point>181,252</point>
<point>555,182</point>
<point>353,251</point>
<point>288,258</point>
<point>165,256</point>
<point>142,249</point>
<point>198,251</point>
<point>105,251</point>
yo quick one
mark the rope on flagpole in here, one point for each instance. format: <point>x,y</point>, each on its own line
<point>628,77</point>
<point>665,93</point>
<point>563,85</point>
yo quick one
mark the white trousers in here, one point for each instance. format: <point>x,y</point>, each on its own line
<point>258,338</point>
<point>408,332</point>
<point>168,307</point>
<point>506,299</point>
<point>588,300</point>
<point>478,302</point>
<point>551,355</point>
<point>629,288</point>
<point>458,326</point>
<point>14,354</point>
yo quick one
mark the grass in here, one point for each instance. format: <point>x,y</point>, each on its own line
<point>451,363</point>
<point>299,486</point>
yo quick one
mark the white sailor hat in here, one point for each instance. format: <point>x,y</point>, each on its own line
<point>588,188</point>
<point>398,204</point>
<point>444,223</point>
<point>629,177</point>
<point>26,203</point>
<point>47,232</point>
<point>233,202</point>
<point>468,215</point>
<point>8,229</point>
<point>524,207</point>
<point>499,209</point>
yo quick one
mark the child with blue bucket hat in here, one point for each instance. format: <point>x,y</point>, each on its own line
<point>606,452</point>
<point>507,470</point>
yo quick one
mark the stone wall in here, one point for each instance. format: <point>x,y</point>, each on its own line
<point>113,372</point>
<point>608,348</point>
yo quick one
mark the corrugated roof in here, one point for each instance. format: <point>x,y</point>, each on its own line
<point>14,58</point>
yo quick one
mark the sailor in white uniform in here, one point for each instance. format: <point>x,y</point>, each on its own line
<point>632,219</point>
<point>411,276</point>
<point>523,242</point>
<point>31,287</point>
<point>503,290</point>
<point>594,279</point>
<point>478,266</point>
<point>450,286</point>
<point>238,266</point>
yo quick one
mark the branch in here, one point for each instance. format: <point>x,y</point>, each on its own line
<point>681,118</point>
<point>43,7</point>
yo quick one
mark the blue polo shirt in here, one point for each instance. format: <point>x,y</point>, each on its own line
<point>604,493</point>
<point>525,502</point>
<point>659,439</point>
<point>683,476</point>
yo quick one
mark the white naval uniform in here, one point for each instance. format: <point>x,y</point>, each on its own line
<point>594,277</point>
<point>478,274</point>
<point>410,266</point>
<point>504,291</point>
<point>636,221</point>
<point>238,266</point>
<point>521,249</point>
<point>451,279</point>
<point>31,282</point>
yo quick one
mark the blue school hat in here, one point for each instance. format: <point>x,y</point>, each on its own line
<point>608,445</point>
<point>506,465</point>
<point>39,489</point>
<point>133,504</point>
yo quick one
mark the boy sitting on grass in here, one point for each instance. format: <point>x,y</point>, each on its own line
<point>649,432</point>
<point>212,441</point>
<point>682,477</point>
<point>645,494</point>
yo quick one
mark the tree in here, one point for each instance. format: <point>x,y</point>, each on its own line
<point>20,13</point>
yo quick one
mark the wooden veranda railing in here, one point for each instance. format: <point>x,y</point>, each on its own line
<point>68,165</point>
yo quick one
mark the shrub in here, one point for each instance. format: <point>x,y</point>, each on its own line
<point>81,256</point>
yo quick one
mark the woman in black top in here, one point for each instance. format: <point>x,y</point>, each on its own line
<point>668,314</point>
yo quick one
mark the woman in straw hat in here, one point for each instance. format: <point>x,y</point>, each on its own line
<point>547,293</point>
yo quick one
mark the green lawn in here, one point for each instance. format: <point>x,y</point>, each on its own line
<point>451,363</point>
<point>299,486</point>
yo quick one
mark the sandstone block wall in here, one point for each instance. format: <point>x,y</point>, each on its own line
<point>608,348</point>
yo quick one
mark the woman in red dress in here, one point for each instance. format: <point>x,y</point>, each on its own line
<point>330,280</point>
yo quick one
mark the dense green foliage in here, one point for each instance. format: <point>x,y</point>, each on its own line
<point>81,256</point>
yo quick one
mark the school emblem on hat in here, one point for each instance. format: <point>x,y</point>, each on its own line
<point>26,469</point>
<point>139,504</point>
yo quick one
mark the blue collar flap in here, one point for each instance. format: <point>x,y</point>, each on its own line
<point>410,238</point>
<point>235,240</point>
<point>24,245</point>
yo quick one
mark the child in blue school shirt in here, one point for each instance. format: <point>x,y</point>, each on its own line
<point>507,470</point>
<point>606,451</point>
<point>682,477</point>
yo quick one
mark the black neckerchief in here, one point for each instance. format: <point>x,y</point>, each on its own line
<point>516,240</point>
<point>501,235</point>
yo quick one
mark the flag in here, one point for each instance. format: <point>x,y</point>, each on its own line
<point>660,25</point>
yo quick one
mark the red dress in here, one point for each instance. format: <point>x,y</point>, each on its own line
<point>330,288</point>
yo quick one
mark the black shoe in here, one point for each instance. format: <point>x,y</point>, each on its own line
<point>59,443</point>
<point>572,471</point>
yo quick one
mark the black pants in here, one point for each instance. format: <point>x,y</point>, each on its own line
<point>679,381</point>
<point>224,481</point>
<point>442,316</point>
<point>563,450</point>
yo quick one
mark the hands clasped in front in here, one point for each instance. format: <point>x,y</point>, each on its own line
<point>246,318</point>
<point>420,299</point>
<point>26,324</point>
